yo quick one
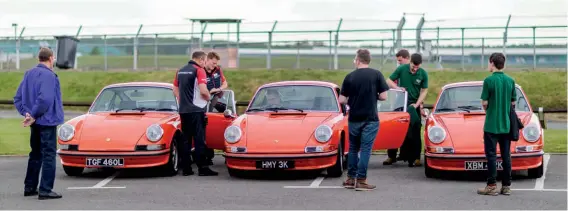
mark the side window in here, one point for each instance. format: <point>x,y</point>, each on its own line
<point>521,104</point>
<point>105,97</point>
<point>222,102</point>
<point>396,102</point>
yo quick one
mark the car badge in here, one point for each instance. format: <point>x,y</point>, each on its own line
<point>276,141</point>
<point>108,139</point>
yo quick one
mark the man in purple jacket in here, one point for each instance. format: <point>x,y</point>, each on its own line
<point>39,99</point>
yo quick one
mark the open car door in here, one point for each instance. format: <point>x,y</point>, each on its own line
<point>394,120</point>
<point>219,116</point>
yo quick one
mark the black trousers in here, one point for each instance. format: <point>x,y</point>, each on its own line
<point>193,128</point>
<point>43,143</point>
<point>412,145</point>
<point>490,140</point>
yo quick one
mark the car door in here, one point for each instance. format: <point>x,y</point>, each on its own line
<point>394,120</point>
<point>218,120</point>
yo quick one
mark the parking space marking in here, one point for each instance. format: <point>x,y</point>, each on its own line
<point>313,187</point>
<point>317,182</point>
<point>555,190</point>
<point>539,185</point>
<point>100,185</point>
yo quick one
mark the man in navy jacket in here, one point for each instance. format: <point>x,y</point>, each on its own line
<point>38,98</point>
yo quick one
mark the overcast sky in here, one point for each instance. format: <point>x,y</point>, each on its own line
<point>35,14</point>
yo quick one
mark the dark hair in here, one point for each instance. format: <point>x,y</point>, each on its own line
<point>498,59</point>
<point>364,56</point>
<point>213,55</point>
<point>198,55</point>
<point>416,59</point>
<point>44,54</point>
<point>403,53</point>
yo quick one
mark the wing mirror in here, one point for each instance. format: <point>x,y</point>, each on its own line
<point>425,112</point>
<point>228,114</point>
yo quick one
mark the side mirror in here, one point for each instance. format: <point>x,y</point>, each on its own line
<point>228,114</point>
<point>425,112</point>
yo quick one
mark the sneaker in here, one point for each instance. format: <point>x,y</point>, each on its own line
<point>415,163</point>
<point>488,190</point>
<point>389,161</point>
<point>506,190</point>
<point>349,183</point>
<point>50,195</point>
<point>362,185</point>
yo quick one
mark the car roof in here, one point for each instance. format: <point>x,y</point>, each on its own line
<point>316,83</point>
<point>148,84</point>
<point>468,83</point>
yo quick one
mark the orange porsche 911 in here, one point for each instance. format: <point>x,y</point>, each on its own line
<point>134,125</point>
<point>300,125</point>
<point>453,134</point>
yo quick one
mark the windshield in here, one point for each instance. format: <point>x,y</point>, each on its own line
<point>295,97</point>
<point>143,98</point>
<point>468,98</point>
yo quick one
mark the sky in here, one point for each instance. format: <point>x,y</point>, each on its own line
<point>47,17</point>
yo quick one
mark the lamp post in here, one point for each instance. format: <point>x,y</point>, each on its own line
<point>15,25</point>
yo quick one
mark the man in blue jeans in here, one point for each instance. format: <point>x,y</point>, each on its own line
<point>360,90</point>
<point>38,98</point>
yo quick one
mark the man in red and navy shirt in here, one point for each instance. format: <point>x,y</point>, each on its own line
<point>216,81</point>
<point>190,87</point>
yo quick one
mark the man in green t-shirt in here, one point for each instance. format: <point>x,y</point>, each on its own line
<point>412,78</point>
<point>498,96</point>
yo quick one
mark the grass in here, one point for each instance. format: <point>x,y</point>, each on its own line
<point>544,89</point>
<point>14,139</point>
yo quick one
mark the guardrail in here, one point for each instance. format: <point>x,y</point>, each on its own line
<point>540,110</point>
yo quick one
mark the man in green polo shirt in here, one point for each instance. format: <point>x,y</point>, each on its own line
<point>412,78</point>
<point>498,95</point>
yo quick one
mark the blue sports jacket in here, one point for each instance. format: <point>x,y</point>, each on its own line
<point>39,94</point>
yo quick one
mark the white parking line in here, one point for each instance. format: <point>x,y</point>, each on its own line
<point>100,185</point>
<point>313,187</point>
<point>539,185</point>
<point>317,182</point>
<point>555,190</point>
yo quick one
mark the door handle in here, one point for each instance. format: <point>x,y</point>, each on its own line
<point>402,120</point>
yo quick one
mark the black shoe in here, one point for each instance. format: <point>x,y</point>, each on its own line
<point>210,162</point>
<point>187,172</point>
<point>206,171</point>
<point>51,195</point>
<point>30,192</point>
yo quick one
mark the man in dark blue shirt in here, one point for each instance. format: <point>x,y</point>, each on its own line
<point>38,98</point>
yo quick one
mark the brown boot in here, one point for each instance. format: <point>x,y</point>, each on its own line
<point>363,185</point>
<point>349,183</point>
<point>488,190</point>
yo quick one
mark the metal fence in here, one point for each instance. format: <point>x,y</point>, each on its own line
<point>462,44</point>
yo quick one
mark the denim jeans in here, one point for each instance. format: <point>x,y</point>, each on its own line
<point>491,141</point>
<point>361,138</point>
<point>43,143</point>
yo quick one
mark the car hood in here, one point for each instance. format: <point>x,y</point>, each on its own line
<point>281,132</point>
<point>465,130</point>
<point>116,132</point>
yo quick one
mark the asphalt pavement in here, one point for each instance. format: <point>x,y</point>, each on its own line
<point>399,187</point>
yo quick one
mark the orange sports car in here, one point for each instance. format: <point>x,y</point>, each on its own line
<point>133,125</point>
<point>300,125</point>
<point>454,133</point>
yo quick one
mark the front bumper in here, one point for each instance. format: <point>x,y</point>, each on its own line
<point>311,161</point>
<point>456,162</point>
<point>131,159</point>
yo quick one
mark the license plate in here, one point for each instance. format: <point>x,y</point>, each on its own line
<point>276,164</point>
<point>105,162</point>
<point>481,165</point>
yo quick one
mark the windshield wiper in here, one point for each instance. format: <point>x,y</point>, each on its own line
<point>469,107</point>
<point>445,109</point>
<point>275,109</point>
<point>255,109</point>
<point>164,109</point>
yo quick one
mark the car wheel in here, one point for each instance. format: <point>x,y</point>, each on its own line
<point>172,167</point>
<point>337,169</point>
<point>536,172</point>
<point>234,172</point>
<point>429,172</point>
<point>73,171</point>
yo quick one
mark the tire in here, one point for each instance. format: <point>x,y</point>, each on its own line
<point>429,172</point>
<point>73,171</point>
<point>234,172</point>
<point>171,168</point>
<point>536,172</point>
<point>337,169</point>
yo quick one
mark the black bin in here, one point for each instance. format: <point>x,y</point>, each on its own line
<point>66,52</point>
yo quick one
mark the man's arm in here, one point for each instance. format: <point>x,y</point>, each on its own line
<point>18,100</point>
<point>176,86</point>
<point>394,76</point>
<point>485,94</point>
<point>345,91</point>
<point>46,95</point>
<point>514,95</point>
<point>202,83</point>
<point>423,91</point>
<point>223,80</point>
<point>382,87</point>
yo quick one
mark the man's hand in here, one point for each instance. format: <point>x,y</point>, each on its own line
<point>414,105</point>
<point>28,120</point>
<point>214,90</point>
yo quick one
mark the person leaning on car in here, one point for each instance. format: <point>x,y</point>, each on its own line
<point>412,78</point>
<point>190,86</point>
<point>38,98</point>
<point>498,96</point>
<point>360,90</point>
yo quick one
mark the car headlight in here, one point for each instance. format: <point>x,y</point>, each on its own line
<point>233,134</point>
<point>323,133</point>
<point>531,132</point>
<point>66,132</point>
<point>154,132</point>
<point>436,134</point>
